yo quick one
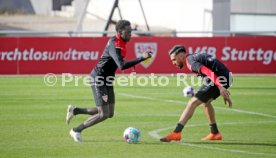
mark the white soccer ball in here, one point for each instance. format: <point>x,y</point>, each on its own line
<point>132,135</point>
<point>188,91</point>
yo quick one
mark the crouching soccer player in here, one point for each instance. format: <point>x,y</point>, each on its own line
<point>102,79</point>
<point>217,79</point>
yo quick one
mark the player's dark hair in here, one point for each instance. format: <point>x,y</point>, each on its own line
<point>121,24</point>
<point>177,49</point>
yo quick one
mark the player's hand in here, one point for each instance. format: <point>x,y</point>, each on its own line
<point>147,54</point>
<point>226,96</point>
<point>228,101</point>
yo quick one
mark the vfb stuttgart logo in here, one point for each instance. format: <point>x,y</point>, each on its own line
<point>142,47</point>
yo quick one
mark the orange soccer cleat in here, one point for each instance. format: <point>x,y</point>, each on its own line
<point>176,136</point>
<point>212,136</point>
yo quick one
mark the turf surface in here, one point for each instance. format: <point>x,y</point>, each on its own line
<point>32,120</point>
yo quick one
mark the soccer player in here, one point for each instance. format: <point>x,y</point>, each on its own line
<point>217,79</point>
<point>102,77</point>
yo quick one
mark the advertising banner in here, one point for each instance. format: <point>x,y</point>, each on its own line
<point>40,55</point>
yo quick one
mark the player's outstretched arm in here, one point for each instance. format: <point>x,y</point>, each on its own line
<point>122,64</point>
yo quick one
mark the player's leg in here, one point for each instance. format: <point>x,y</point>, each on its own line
<point>208,94</point>
<point>88,111</point>
<point>101,99</point>
<point>189,111</point>
<point>103,114</point>
<point>185,116</point>
<point>72,110</point>
<point>210,111</point>
<point>111,101</point>
<point>210,114</point>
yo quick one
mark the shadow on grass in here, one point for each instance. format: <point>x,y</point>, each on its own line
<point>104,141</point>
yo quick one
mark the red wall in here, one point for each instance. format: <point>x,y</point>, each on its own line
<point>39,55</point>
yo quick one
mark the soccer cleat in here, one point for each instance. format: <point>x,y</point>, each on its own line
<point>212,136</point>
<point>70,113</point>
<point>175,136</point>
<point>76,136</point>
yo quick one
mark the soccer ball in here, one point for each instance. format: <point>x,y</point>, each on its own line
<point>188,91</point>
<point>132,135</point>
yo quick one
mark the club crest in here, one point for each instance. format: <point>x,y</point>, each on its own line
<point>141,47</point>
<point>105,98</point>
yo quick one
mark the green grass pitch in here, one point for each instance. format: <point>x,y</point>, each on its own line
<point>32,118</point>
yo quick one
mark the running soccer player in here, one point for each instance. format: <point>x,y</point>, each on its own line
<point>102,77</point>
<point>217,79</point>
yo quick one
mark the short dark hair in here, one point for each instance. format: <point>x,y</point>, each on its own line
<point>177,49</point>
<point>121,24</point>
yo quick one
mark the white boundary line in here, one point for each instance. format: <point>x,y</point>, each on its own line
<point>249,112</point>
<point>155,134</point>
<point>182,102</point>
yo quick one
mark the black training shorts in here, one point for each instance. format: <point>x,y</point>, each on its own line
<point>103,92</point>
<point>210,91</point>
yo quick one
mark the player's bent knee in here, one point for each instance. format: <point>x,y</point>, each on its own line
<point>104,115</point>
<point>194,102</point>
